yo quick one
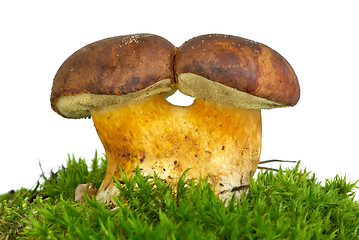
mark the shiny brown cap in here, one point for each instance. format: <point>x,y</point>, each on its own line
<point>242,64</point>
<point>115,66</point>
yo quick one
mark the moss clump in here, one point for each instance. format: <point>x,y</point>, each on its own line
<point>288,204</point>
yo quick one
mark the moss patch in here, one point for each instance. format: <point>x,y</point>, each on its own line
<point>288,204</point>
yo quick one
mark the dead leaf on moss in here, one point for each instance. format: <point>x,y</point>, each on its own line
<point>81,189</point>
<point>3,222</point>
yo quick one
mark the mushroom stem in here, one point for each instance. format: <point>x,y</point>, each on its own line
<point>207,137</point>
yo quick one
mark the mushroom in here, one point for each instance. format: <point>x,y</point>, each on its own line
<point>232,79</point>
<point>123,82</point>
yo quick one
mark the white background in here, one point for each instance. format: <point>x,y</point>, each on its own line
<point>318,38</point>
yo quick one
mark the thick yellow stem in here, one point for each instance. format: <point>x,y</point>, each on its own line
<point>207,137</point>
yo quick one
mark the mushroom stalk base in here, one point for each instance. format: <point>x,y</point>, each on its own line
<point>209,138</point>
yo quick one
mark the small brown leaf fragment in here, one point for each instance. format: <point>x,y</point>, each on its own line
<point>81,189</point>
<point>3,222</point>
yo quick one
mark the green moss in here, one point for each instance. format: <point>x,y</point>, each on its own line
<point>287,204</point>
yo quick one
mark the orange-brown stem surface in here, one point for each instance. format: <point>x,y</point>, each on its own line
<point>207,137</point>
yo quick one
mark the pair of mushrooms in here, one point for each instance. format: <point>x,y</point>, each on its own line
<point>123,82</point>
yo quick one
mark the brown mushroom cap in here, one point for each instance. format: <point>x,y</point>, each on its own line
<point>235,70</point>
<point>134,66</point>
